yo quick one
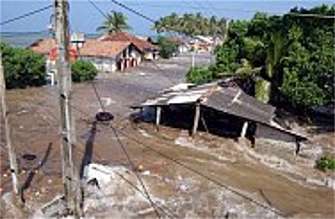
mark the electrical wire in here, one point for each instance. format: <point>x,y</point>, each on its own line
<point>162,208</point>
<point>26,15</point>
<point>218,183</point>
<point>98,9</point>
<point>133,167</point>
<point>176,161</point>
<point>312,15</point>
<point>133,11</point>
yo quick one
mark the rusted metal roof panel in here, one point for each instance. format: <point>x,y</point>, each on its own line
<point>234,101</point>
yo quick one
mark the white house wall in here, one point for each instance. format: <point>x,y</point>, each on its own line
<point>148,55</point>
<point>136,55</point>
<point>102,64</point>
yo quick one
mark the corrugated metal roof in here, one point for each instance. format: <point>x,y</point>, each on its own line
<point>217,95</point>
<point>230,100</point>
<point>233,100</point>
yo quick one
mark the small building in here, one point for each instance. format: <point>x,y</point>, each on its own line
<point>47,47</point>
<point>182,44</point>
<point>202,43</point>
<point>147,49</point>
<point>221,108</point>
<point>107,56</point>
<point>110,56</point>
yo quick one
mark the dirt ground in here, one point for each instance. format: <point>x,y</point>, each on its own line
<point>203,177</point>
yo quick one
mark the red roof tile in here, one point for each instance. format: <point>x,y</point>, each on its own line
<point>126,37</point>
<point>92,47</point>
<point>43,46</point>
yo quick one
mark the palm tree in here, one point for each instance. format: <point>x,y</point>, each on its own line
<point>115,22</point>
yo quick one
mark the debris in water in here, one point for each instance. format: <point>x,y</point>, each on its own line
<point>147,172</point>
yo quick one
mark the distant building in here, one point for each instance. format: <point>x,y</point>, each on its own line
<point>107,56</point>
<point>147,49</point>
<point>47,47</point>
<point>204,43</point>
<point>110,56</point>
<point>182,44</point>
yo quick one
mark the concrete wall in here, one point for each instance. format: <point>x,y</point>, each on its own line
<point>102,64</point>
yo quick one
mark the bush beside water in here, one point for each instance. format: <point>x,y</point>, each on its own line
<point>83,71</point>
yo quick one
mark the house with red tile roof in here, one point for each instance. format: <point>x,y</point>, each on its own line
<point>107,56</point>
<point>148,50</point>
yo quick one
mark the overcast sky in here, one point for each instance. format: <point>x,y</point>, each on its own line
<point>85,18</point>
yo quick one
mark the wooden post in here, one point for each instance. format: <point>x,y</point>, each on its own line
<point>71,180</point>
<point>244,129</point>
<point>193,59</point>
<point>11,152</point>
<point>196,119</point>
<point>158,116</point>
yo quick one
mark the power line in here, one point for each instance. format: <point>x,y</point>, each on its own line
<point>321,16</point>
<point>98,9</point>
<point>26,15</point>
<point>176,161</point>
<point>162,207</point>
<point>133,167</point>
<point>145,193</point>
<point>115,130</point>
<point>134,11</point>
<point>171,214</point>
<point>207,8</point>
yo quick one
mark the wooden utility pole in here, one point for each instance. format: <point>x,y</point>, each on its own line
<point>196,119</point>
<point>71,180</point>
<point>11,152</point>
<point>158,116</point>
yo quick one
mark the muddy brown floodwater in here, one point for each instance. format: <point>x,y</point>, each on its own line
<point>204,177</point>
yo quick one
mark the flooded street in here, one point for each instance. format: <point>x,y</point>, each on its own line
<point>204,177</point>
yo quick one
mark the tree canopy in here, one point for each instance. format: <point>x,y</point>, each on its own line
<point>115,22</point>
<point>191,24</point>
<point>294,54</point>
<point>22,67</point>
<point>167,48</point>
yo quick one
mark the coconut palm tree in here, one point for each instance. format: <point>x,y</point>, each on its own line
<point>115,22</point>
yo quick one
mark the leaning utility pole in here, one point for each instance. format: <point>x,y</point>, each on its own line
<point>71,180</point>
<point>11,152</point>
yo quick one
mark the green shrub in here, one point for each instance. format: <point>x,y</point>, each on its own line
<point>166,47</point>
<point>200,75</point>
<point>326,163</point>
<point>22,67</point>
<point>83,71</point>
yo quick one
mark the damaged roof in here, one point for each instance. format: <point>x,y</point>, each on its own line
<point>222,96</point>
